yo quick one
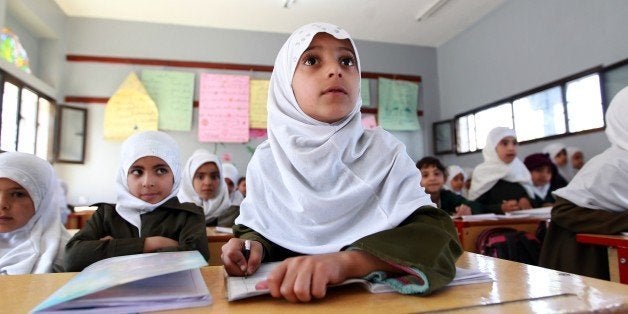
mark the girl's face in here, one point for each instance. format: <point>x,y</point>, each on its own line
<point>150,179</point>
<point>457,182</point>
<point>507,149</point>
<point>242,187</point>
<point>230,185</point>
<point>577,160</point>
<point>561,158</point>
<point>432,179</point>
<point>206,181</point>
<point>16,206</point>
<point>541,176</point>
<point>326,80</point>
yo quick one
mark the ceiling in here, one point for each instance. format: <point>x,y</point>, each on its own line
<point>391,21</point>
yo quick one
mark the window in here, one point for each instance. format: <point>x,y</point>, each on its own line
<point>567,106</point>
<point>26,119</point>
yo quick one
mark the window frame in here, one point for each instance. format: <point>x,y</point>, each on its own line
<point>21,85</point>
<point>562,83</point>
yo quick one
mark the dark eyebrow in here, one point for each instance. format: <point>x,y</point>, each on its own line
<point>164,165</point>
<point>339,48</point>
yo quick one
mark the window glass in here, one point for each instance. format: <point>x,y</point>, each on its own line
<point>614,80</point>
<point>27,122</point>
<point>43,128</point>
<point>539,115</point>
<point>8,136</point>
<point>488,119</point>
<point>584,104</point>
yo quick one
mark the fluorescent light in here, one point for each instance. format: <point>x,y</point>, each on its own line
<point>430,10</point>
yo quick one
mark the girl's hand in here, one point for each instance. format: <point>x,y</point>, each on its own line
<point>524,203</point>
<point>462,210</point>
<point>510,205</point>
<point>234,261</point>
<point>299,279</point>
<point>152,244</point>
<point>106,238</point>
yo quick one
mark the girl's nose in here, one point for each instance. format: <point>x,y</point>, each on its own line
<point>148,181</point>
<point>334,70</point>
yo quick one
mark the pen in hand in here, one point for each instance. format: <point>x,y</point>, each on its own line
<point>246,251</point>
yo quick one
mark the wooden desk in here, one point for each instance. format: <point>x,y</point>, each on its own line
<point>215,241</point>
<point>468,231</point>
<point>617,247</point>
<point>79,219</point>
<point>518,288</point>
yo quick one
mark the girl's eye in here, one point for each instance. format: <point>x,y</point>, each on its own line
<point>162,170</point>
<point>135,172</point>
<point>214,177</point>
<point>310,60</point>
<point>18,194</point>
<point>347,61</point>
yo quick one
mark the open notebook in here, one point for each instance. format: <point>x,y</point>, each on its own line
<point>241,287</point>
<point>133,283</point>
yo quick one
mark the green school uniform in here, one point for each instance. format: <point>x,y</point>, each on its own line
<point>184,223</point>
<point>426,240</point>
<point>450,200</point>
<point>562,252</point>
<point>503,190</point>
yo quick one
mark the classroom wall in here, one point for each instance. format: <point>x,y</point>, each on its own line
<point>525,44</point>
<point>93,181</point>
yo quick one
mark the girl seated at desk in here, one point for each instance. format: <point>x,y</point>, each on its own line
<point>433,176</point>
<point>540,167</point>
<point>32,237</point>
<point>329,198</point>
<point>148,216</point>
<point>203,185</point>
<point>595,201</point>
<point>501,183</point>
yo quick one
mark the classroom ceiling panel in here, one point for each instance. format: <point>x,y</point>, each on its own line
<point>412,22</point>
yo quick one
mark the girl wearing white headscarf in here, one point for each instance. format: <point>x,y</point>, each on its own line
<point>215,206</point>
<point>452,172</point>
<point>133,225</point>
<point>575,156</point>
<point>595,201</point>
<point>232,175</point>
<point>37,246</point>
<point>334,188</point>
<point>561,174</point>
<point>501,184</point>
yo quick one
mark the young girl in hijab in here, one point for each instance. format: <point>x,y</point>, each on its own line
<point>203,185</point>
<point>501,183</point>
<point>456,178</point>
<point>329,198</point>
<point>433,176</point>
<point>540,167</point>
<point>32,238</point>
<point>576,159</point>
<point>231,178</point>
<point>147,217</point>
<point>595,201</point>
<point>561,175</point>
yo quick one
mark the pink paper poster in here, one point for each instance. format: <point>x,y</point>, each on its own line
<point>223,114</point>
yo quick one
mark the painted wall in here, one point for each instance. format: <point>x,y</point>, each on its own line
<point>93,181</point>
<point>525,44</point>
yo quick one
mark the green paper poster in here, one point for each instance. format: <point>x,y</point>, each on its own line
<point>173,93</point>
<point>398,102</point>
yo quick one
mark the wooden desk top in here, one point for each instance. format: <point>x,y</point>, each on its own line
<point>213,236</point>
<point>497,222</point>
<point>520,288</point>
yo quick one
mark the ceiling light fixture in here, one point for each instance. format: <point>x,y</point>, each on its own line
<point>288,4</point>
<point>430,10</point>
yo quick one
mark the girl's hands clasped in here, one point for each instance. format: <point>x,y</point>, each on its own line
<point>234,261</point>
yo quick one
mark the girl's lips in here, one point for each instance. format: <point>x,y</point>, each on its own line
<point>335,89</point>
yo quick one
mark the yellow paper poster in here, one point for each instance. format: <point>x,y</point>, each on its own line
<point>257,110</point>
<point>129,110</point>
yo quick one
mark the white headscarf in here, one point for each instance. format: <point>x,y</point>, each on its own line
<point>571,151</point>
<point>316,187</point>
<point>493,169</point>
<point>143,144</point>
<point>601,183</point>
<point>212,207</point>
<point>33,248</point>
<point>552,150</point>
<point>453,171</point>
<point>230,171</point>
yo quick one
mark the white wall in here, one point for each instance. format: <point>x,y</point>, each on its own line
<point>525,44</point>
<point>93,181</point>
